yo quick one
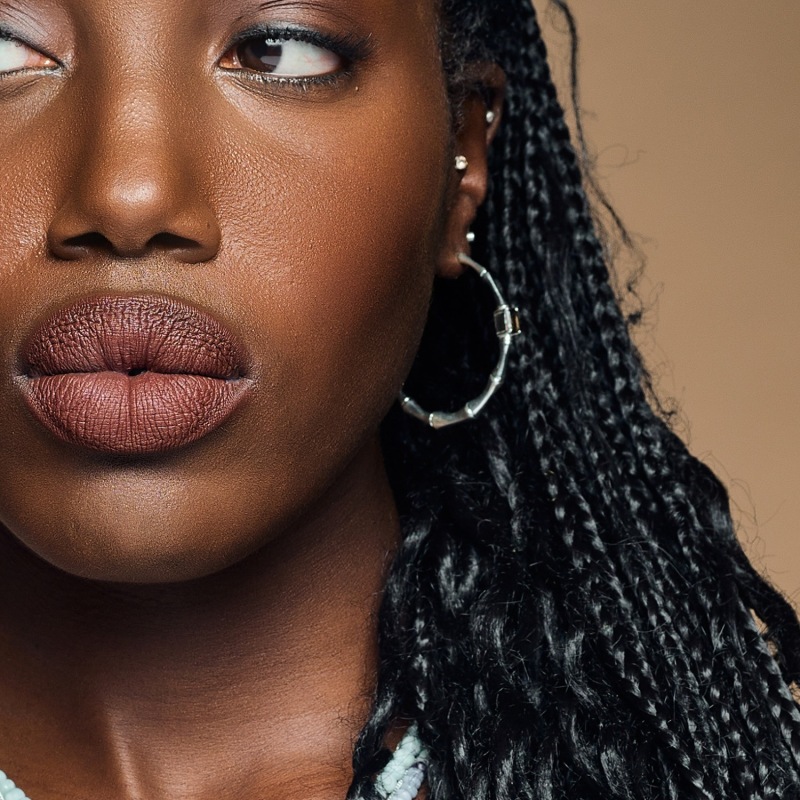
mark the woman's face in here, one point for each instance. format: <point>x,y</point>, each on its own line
<point>178,195</point>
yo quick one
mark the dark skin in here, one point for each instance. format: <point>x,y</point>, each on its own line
<point>200,623</point>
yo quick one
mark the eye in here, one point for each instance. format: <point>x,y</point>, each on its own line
<point>15,56</point>
<point>282,57</point>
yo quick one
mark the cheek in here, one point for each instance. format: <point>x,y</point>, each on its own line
<point>25,200</point>
<point>345,244</point>
<point>28,164</point>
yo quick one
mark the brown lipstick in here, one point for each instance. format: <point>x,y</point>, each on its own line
<point>133,375</point>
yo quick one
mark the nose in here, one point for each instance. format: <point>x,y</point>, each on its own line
<point>132,188</point>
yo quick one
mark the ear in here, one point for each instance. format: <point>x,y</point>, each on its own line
<point>481,114</point>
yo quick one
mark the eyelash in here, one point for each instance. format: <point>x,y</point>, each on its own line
<point>9,36</point>
<point>351,48</point>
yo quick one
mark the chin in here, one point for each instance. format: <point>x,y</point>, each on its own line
<point>126,555</point>
<point>102,533</point>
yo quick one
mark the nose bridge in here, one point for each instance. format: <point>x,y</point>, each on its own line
<point>136,184</point>
<point>132,154</point>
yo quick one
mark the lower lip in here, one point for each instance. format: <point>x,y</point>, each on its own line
<point>132,415</point>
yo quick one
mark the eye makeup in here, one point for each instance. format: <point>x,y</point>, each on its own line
<point>12,50</point>
<point>349,48</point>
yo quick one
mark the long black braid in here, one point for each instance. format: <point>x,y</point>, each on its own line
<point>569,614</point>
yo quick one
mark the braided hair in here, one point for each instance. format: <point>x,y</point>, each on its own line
<point>569,613</point>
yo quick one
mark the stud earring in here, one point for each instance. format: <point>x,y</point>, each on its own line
<point>470,236</point>
<point>491,116</point>
<point>461,164</point>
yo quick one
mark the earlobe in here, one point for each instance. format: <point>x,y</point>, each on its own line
<point>470,170</point>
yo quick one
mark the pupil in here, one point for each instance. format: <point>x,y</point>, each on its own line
<point>260,54</point>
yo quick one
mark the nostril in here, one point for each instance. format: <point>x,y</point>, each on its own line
<point>170,241</point>
<point>93,240</point>
<point>71,247</point>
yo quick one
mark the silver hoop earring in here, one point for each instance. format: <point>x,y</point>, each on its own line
<point>506,325</point>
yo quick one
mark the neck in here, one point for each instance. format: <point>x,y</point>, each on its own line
<point>249,679</point>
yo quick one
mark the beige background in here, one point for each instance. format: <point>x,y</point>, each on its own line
<point>692,110</point>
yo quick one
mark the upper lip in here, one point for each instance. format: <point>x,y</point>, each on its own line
<point>133,334</point>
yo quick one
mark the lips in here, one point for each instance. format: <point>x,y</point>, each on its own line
<point>133,375</point>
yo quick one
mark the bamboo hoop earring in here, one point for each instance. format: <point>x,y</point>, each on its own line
<point>506,325</point>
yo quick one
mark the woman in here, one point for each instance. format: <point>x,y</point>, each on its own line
<point>232,234</point>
